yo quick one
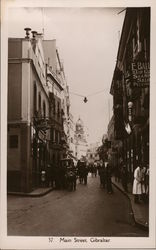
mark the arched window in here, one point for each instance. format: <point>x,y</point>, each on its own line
<point>54,106</point>
<point>35,98</point>
<point>58,109</point>
<point>39,102</point>
<point>44,109</point>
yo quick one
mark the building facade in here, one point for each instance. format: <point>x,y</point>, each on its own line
<point>130,88</point>
<point>56,111</point>
<point>36,114</point>
<point>26,95</point>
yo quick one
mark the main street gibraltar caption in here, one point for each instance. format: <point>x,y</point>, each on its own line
<point>78,240</point>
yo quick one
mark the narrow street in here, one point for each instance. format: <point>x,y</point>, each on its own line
<point>89,211</point>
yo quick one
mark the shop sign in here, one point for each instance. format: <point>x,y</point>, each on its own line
<point>140,74</point>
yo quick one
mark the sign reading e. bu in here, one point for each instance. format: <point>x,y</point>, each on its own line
<point>140,73</point>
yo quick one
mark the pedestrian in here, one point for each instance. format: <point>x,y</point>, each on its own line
<point>138,187</point>
<point>143,173</point>
<point>74,178</point>
<point>85,174</point>
<point>102,175</point>
<point>124,178</point>
<point>92,169</point>
<point>95,169</point>
<point>62,176</point>
<point>108,178</point>
<point>147,183</point>
<point>80,172</point>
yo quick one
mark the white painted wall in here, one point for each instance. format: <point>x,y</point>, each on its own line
<point>26,92</point>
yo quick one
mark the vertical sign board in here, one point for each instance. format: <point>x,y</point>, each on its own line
<point>140,74</point>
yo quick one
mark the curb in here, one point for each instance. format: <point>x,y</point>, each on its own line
<point>31,195</point>
<point>139,224</point>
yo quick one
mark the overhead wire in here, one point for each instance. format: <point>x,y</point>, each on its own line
<point>76,94</point>
<point>86,96</point>
<point>96,93</point>
<point>92,94</point>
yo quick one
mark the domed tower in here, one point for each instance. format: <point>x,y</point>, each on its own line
<point>80,139</point>
<point>80,134</point>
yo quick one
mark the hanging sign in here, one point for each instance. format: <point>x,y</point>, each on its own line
<point>140,74</point>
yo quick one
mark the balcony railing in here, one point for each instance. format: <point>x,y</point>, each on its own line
<point>54,75</point>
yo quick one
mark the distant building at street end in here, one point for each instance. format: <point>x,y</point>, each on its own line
<point>81,144</point>
<point>92,153</point>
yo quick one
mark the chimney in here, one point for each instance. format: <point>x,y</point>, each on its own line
<point>34,39</point>
<point>34,33</point>
<point>39,35</point>
<point>27,32</point>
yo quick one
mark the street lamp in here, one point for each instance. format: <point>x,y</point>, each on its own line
<point>130,106</point>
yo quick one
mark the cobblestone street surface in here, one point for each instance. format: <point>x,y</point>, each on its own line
<point>89,211</point>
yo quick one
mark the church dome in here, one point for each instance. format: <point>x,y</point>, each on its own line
<point>79,125</point>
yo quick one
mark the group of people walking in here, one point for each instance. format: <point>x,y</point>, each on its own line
<point>105,173</point>
<point>93,168</point>
<point>82,172</point>
<point>65,177</point>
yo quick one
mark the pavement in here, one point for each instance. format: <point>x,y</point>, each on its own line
<point>140,211</point>
<point>35,193</point>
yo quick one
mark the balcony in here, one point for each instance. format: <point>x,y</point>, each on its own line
<point>41,123</point>
<point>51,73</point>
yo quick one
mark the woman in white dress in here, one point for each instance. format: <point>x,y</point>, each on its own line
<point>138,186</point>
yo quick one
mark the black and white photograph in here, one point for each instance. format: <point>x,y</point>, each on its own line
<point>77,165</point>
